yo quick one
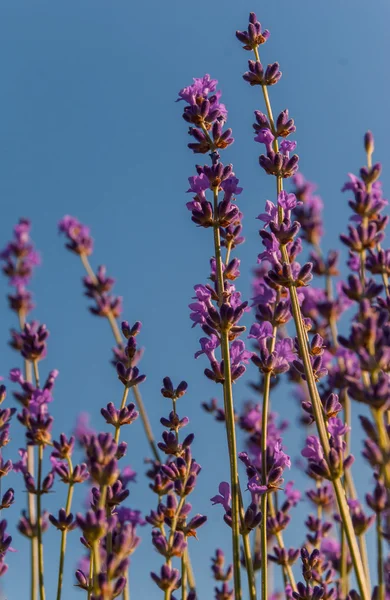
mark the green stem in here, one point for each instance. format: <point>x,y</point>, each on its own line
<point>103,496</point>
<point>36,373</point>
<point>251,576</point>
<point>314,395</point>
<point>343,564</point>
<point>264,428</point>
<point>364,555</point>
<point>146,423</point>
<point>183,579</point>
<point>384,443</point>
<point>96,566</point>
<point>319,419</point>
<point>385,278</point>
<point>287,570</point>
<point>64,536</point>
<point>31,469</point>
<point>90,577</point>
<point>249,567</point>
<point>119,340</point>
<point>123,404</point>
<point>39,526</point>
<point>190,572</point>
<point>126,591</point>
<point>228,251</point>
<point>230,418</point>
<point>230,422</point>
<point>381,582</point>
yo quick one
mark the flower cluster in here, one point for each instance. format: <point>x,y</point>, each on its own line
<point>173,481</point>
<point>19,259</point>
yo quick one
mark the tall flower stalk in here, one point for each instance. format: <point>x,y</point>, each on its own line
<point>279,164</point>
<point>20,258</point>
<point>218,308</point>
<point>97,286</point>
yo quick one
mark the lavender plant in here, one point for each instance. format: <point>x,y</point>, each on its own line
<point>294,313</point>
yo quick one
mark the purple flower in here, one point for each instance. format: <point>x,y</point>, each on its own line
<point>281,459</point>
<point>313,449</point>
<point>337,428</point>
<point>208,346</point>
<point>198,185</point>
<point>261,332</point>
<point>201,87</point>
<point>77,234</point>
<point>254,36</point>
<point>255,487</point>
<point>224,497</point>
<point>239,354</point>
<point>271,213</point>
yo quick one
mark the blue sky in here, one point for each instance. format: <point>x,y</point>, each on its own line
<point>89,127</point>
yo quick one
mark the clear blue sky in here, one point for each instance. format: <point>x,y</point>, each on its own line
<point>89,127</point>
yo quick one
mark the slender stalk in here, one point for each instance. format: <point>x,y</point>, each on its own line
<point>32,517</point>
<point>343,564</point>
<point>119,340</point>
<point>381,581</point>
<point>96,566</point>
<point>39,526</point>
<point>64,535</point>
<point>173,528</point>
<point>190,572</point>
<point>146,423</point>
<point>364,555</point>
<point>385,278</point>
<point>184,578</point>
<point>123,404</point>
<point>137,396</point>
<point>319,419</point>
<point>287,570</point>
<point>126,591</point>
<point>36,373</point>
<point>228,251</point>
<point>31,469</point>
<point>251,576</point>
<point>103,496</point>
<point>230,419</point>
<point>90,578</point>
<point>313,391</point>
<point>384,443</point>
<point>249,567</point>
<point>264,426</point>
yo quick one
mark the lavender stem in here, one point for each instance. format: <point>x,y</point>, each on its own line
<point>39,526</point>
<point>123,404</point>
<point>381,582</point>
<point>183,578</point>
<point>264,424</point>
<point>230,420</point>
<point>119,341</point>
<point>249,566</point>
<point>96,566</point>
<point>313,391</point>
<point>384,443</point>
<point>31,469</point>
<point>64,534</point>
<point>287,570</point>
<point>90,576</point>
<point>126,591</point>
